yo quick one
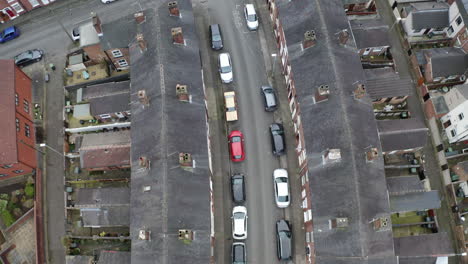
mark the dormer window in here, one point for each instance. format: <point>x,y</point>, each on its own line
<point>461,116</point>
<point>117,53</point>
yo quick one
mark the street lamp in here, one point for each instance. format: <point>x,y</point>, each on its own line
<point>42,145</point>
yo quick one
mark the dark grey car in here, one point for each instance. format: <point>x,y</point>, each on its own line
<point>269,98</point>
<point>284,240</point>
<point>28,57</point>
<point>277,139</point>
<point>216,37</point>
<point>239,255</point>
<point>238,188</point>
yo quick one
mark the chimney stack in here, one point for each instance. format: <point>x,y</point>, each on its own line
<point>331,155</point>
<point>97,24</point>
<point>142,97</point>
<point>185,160</point>
<point>173,9</point>
<point>140,17</point>
<point>182,93</point>
<point>339,222</point>
<point>141,42</point>
<point>322,93</point>
<point>177,36</point>
<point>372,154</point>
<point>360,91</point>
<point>309,39</point>
<point>144,162</point>
<point>344,36</point>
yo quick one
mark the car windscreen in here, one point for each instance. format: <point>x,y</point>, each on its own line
<point>238,215</point>
<point>24,55</point>
<point>283,198</point>
<point>226,69</point>
<point>236,139</point>
<point>76,32</point>
<point>252,17</point>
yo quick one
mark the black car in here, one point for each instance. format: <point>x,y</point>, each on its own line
<point>28,57</point>
<point>239,255</point>
<point>269,98</point>
<point>284,240</point>
<point>238,188</point>
<point>216,37</point>
<point>277,139</point>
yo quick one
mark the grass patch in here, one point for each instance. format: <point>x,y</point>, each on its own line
<point>29,190</point>
<point>7,218</point>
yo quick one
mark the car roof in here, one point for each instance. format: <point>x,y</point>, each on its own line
<point>250,9</point>
<point>9,29</point>
<point>224,59</point>
<point>24,54</point>
<point>282,189</point>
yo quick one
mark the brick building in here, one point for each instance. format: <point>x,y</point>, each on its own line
<point>17,154</point>
<point>10,9</point>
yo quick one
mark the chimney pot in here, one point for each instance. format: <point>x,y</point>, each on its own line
<point>177,36</point>
<point>173,9</point>
<point>309,39</point>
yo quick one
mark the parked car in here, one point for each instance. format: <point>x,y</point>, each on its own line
<point>269,98</point>
<point>238,188</point>
<point>281,186</point>
<point>225,67</point>
<point>239,255</point>
<point>251,17</point>
<point>277,139</point>
<point>9,33</point>
<point>28,57</point>
<point>236,146</point>
<point>239,222</point>
<point>216,37</point>
<point>75,34</point>
<point>284,240</point>
<point>231,106</point>
<point>107,1</point>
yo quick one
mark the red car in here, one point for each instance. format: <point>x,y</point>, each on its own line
<point>236,146</point>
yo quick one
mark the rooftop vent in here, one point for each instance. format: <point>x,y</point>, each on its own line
<point>139,17</point>
<point>141,42</point>
<point>331,155</point>
<point>144,234</point>
<point>185,160</point>
<point>322,93</point>
<point>309,39</point>
<point>147,188</point>
<point>142,97</point>
<point>360,91</point>
<point>173,9</point>
<point>372,154</point>
<point>177,37</point>
<point>340,222</point>
<point>144,162</point>
<point>381,224</point>
<point>343,36</point>
<point>182,93</point>
<point>185,234</point>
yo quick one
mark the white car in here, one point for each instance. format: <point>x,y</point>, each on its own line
<point>225,67</point>
<point>281,185</point>
<point>75,34</point>
<point>107,1</point>
<point>239,222</point>
<point>251,17</point>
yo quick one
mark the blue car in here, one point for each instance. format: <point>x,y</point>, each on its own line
<point>9,34</point>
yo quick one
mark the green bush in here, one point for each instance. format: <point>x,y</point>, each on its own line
<point>7,218</point>
<point>29,190</point>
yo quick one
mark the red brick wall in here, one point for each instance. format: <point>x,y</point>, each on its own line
<point>126,56</point>
<point>23,87</point>
<point>95,53</point>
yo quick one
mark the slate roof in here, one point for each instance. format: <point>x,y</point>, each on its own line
<point>114,257</point>
<point>402,134</point>
<point>351,188</point>
<point>424,245</point>
<point>447,61</point>
<point>417,201</point>
<point>118,33</point>
<point>179,199</point>
<point>403,185</point>
<point>384,82</point>
<point>9,151</point>
<point>106,216</point>
<point>370,33</point>
<point>105,149</point>
<point>111,103</point>
<point>103,89</point>
<point>79,259</point>
<point>429,15</point>
<point>102,197</point>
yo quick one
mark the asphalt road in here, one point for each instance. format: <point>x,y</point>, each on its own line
<point>249,71</point>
